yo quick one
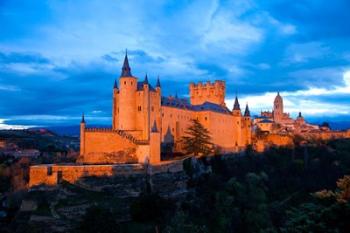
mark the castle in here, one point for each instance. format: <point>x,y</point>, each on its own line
<point>143,122</point>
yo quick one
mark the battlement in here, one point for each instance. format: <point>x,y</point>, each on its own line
<point>208,84</point>
<point>208,92</point>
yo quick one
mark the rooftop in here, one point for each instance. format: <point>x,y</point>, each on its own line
<point>184,104</point>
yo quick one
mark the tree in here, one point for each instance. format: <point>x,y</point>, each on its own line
<point>197,140</point>
<point>98,220</point>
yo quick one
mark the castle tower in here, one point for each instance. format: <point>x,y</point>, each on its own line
<point>115,109</point>
<point>247,127</point>
<point>154,145</point>
<point>208,92</point>
<point>82,135</point>
<point>127,98</point>
<point>278,108</point>
<point>158,114</point>
<point>237,124</point>
<point>146,108</point>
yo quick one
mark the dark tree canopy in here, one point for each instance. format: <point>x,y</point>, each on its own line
<point>197,140</point>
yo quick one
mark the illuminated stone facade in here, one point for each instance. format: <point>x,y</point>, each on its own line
<point>143,121</point>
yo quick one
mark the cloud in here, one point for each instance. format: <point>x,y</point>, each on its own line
<point>304,52</point>
<point>308,101</point>
<point>5,125</point>
<point>230,35</point>
<point>61,59</point>
<point>8,88</point>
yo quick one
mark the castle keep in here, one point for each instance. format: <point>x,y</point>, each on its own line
<point>143,121</point>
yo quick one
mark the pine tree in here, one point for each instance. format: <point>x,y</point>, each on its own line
<point>197,140</point>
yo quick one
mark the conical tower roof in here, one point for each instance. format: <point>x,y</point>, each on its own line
<point>158,82</point>
<point>247,112</point>
<point>126,71</point>
<point>146,80</point>
<point>236,105</point>
<point>83,118</point>
<point>115,84</point>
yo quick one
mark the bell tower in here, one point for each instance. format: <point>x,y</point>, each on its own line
<point>278,108</point>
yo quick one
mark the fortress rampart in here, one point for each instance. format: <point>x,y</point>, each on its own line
<point>208,92</point>
<point>53,174</point>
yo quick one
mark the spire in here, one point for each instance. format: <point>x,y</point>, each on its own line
<point>115,84</point>
<point>146,79</point>
<point>247,112</point>
<point>300,114</point>
<point>154,127</point>
<point>236,105</point>
<point>126,71</point>
<point>82,119</point>
<point>158,82</point>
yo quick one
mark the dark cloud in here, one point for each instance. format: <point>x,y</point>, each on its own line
<point>315,19</point>
<point>29,58</point>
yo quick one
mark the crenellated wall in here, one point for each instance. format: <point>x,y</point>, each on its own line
<point>208,92</point>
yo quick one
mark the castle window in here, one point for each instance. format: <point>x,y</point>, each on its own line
<point>49,171</point>
<point>206,118</point>
<point>152,108</point>
<point>131,82</point>
<point>139,108</point>
<point>124,82</point>
<point>162,114</point>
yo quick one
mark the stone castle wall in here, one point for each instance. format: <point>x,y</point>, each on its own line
<point>264,143</point>
<point>52,174</point>
<point>327,135</point>
<point>107,146</point>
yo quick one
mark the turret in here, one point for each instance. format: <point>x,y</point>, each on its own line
<point>127,97</point>
<point>246,111</point>
<point>158,86</point>
<point>246,127</point>
<point>158,82</point>
<point>154,145</point>
<point>82,135</point>
<point>237,124</point>
<point>236,111</point>
<point>115,107</point>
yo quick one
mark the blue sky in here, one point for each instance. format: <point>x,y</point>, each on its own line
<point>59,58</point>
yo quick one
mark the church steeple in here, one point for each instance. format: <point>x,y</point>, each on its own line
<point>126,71</point>
<point>236,105</point>
<point>247,112</point>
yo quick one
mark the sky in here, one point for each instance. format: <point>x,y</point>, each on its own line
<point>59,58</point>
